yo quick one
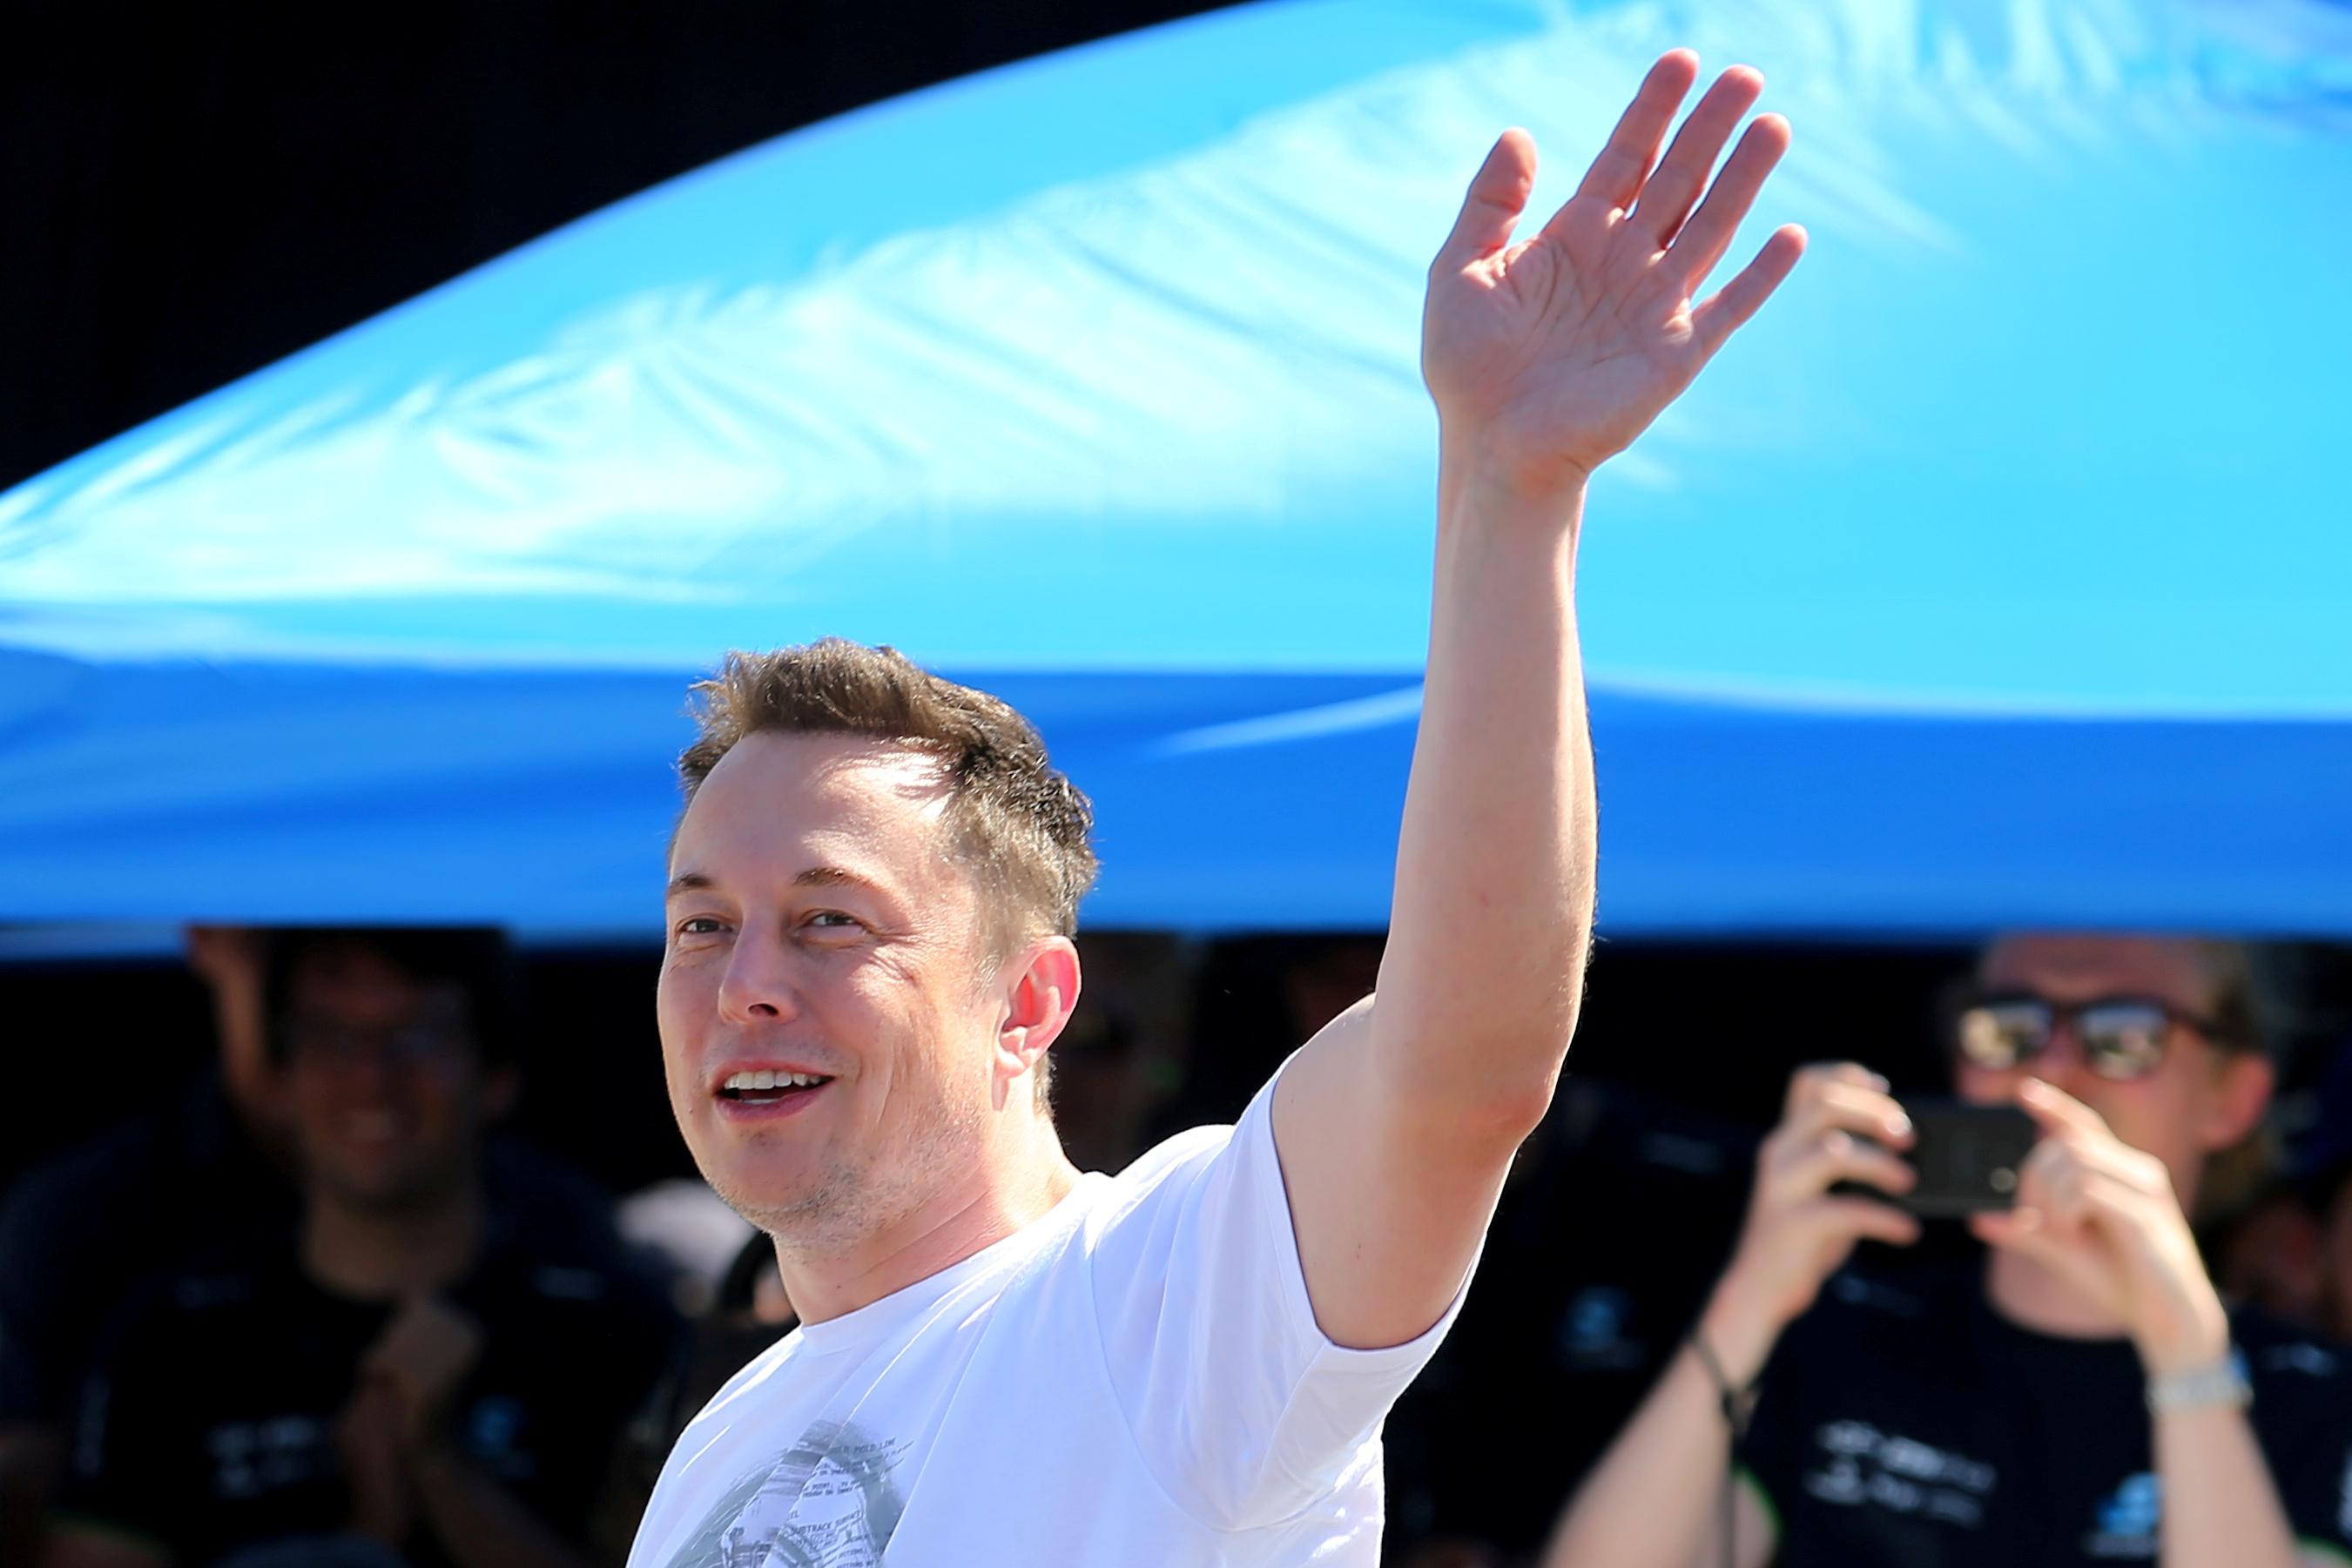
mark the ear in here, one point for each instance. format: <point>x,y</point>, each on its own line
<point>1040,985</point>
<point>2242,1081</point>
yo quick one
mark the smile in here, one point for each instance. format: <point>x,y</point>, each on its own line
<point>761,1094</point>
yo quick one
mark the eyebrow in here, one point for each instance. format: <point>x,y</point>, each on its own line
<point>815,877</point>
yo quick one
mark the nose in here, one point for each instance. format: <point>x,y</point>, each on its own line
<point>2062,1063</point>
<point>758,985</point>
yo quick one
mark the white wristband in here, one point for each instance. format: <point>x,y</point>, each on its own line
<point>2220,1384</point>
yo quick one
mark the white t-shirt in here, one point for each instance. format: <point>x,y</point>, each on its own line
<point>1136,1378</point>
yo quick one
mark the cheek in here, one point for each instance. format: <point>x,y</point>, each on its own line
<point>683,1001</point>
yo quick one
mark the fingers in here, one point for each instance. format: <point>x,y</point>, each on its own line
<point>1808,1081</point>
<point>1668,194</point>
<point>2018,1229</point>
<point>1707,235</point>
<point>1846,1096</point>
<point>1497,195</point>
<point>1616,175</point>
<point>1866,1219</point>
<point>2055,1110</point>
<point>1838,1156</point>
<point>1839,1125</point>
<point>2071,1175</point>
<point>1725,314</point>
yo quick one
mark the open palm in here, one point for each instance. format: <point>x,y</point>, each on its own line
<point>1549,354</point>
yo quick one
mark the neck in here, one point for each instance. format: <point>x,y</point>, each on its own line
<point>2029,1296</point>
<point>378,1254</point>
<point>1014,1188</point>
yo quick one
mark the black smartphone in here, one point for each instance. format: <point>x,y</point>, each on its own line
<point>1967,1156</point>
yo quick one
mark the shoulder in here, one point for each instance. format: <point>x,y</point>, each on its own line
<point>1168,1166</point>
<point>1170,1188</point>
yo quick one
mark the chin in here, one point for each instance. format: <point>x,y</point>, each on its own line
<point>781,1203</point>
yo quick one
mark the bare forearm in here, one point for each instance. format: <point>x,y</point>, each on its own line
<point>1654,1500</point>
<point>478,1523</point>
<point>1495,863</point>
<point>2221,1509</point>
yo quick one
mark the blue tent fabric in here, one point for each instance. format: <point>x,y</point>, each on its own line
<point>1995,573</point>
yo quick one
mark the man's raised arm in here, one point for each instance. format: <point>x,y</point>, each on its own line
<point>1546,355</point>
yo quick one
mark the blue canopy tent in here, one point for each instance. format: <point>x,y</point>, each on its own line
<point>1998,572</point>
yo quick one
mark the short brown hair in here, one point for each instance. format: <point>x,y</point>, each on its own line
<point>2234,1006</point>
<point>1024,827</point>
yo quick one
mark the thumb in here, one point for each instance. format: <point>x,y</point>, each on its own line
<point>1498,195</point>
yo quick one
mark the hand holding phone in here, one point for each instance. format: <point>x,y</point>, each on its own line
<point>1966,1158</point>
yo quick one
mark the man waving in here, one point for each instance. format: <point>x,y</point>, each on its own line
<point>873,892</point>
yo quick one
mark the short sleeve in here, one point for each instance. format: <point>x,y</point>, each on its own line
<point>1245,1412</point>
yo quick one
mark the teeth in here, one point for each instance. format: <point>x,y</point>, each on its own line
<point>756,1082</point>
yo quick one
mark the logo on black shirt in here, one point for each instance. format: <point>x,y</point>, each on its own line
<point>2127,1519</point>
<point>1867,1466</point>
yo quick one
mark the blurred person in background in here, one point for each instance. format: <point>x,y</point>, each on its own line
<point>2270,1254</point>
<point>205,1174</point>
<point>2078,1394</point>
<point>428,1377</point>
<point>207,1180</point>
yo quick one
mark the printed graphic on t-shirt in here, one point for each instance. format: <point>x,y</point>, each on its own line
<point>832,1500</point>
<point>1864,1466</point>
<point>254,1457</point>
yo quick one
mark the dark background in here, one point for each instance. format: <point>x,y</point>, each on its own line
<point>193,192</point>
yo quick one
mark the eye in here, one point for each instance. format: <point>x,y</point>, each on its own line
<point>832,920</point>
<point>700,926</point>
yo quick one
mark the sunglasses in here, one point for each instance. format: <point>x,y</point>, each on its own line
<point>2121,1038</point>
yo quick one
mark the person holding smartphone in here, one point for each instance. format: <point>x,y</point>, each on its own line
<point>2081,1395</point>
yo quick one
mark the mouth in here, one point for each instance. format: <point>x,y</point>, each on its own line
<point>761,1092</point>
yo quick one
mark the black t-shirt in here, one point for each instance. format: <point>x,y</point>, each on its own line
<point>211,1422</point>
<point>1903,1420</point>
<point>181,1185</point>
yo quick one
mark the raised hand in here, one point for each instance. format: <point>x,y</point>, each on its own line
<point>1838,1125</point>
<point>2102,1216</point>
<point>1547,355</point>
